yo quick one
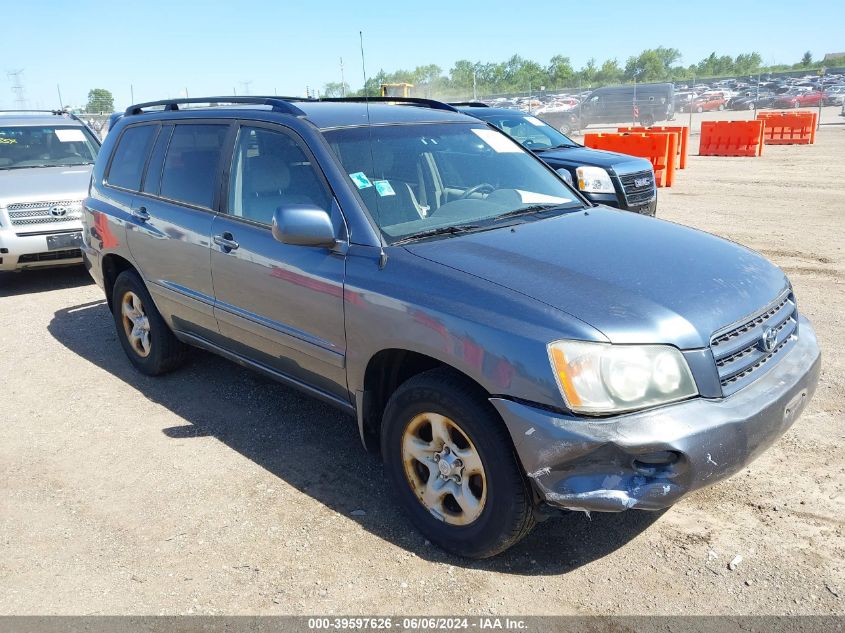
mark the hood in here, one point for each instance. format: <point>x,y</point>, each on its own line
<point>635,279</point>
<point>44,184</point>
<point>575,156</point>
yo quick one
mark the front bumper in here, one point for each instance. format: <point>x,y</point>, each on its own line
<point>650,459</point>
<point>31,251</point>
<point>618,201</point>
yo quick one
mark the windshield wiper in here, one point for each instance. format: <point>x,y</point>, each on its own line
<point>533,208</point>
<point>442,230</point>
<point>563,146</point>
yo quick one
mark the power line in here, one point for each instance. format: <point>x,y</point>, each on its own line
<point>17,87</point>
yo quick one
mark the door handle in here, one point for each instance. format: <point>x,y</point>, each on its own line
<point>140,214</point>
<point>226,242</point>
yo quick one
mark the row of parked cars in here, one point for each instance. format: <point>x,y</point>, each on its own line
<point>508,345</point>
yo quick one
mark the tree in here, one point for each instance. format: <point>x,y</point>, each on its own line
<point>609,73</point>
<point>100,100</point>
<point>335,89</point>
<point>560,72</point>
<point>653,64</point>
<point>807,59</point>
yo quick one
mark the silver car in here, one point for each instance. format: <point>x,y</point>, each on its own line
<point>45,168</point>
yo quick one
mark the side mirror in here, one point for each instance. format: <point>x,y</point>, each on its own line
<point>303,225</point>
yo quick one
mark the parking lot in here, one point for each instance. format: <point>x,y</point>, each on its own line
<point>213,490</point>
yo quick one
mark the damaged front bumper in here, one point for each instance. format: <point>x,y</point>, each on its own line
<point>649,460</point>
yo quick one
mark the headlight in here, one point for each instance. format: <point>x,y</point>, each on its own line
<point>594,180</point>
<point>564,173</point>
<point>598,378</point>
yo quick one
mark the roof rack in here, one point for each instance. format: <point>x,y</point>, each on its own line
<point>473,104</point>
<point>426,103</point>
<point>278,104</point>
<point>55,112</point>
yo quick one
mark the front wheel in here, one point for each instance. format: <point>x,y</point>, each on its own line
<point>721,107</point>
<point>699,109</point>
<point>147,340</point>
<point>452,466</point>
<point>565,128</point>
<point>750,106</point>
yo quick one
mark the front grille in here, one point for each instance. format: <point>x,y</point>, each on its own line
<point>739,351</point>
<point>638,194</point>
<point>29,213</point>
<point>50,256</point>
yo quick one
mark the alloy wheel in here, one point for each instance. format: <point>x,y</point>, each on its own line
<point>136,324</point>
<point>444,469</point>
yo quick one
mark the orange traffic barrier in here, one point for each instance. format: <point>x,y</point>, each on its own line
<point>683,138</point>
<point>789,128</point>
<point>659,148</point>
<point>731,138</point>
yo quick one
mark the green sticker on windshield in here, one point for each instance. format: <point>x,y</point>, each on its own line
<point>360,179</point>
<point>384,188</point>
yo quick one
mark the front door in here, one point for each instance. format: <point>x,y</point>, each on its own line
<point>277,304</point>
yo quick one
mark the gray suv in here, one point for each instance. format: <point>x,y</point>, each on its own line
<point>46,159</point>
<point>509,347</point>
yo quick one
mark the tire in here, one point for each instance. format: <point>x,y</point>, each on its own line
<point>647,120</point>
<point>750,106</point>
<point>565,128</point>
<point>795,104</point>
<point>503,511</point>
<point>721,107</point>
<point>157,351</point>
<point>699,109</point>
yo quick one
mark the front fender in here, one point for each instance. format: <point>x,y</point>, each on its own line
<point>494,335</point>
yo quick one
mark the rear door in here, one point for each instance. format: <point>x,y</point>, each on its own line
<point>170,232</point>
<point>279,305</point>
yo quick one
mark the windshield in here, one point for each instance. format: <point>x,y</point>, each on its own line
<point>421,178</point>
<point>530,131</point>
<point>46,146</point>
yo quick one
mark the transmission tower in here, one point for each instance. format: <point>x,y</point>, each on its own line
<point>17,87</point>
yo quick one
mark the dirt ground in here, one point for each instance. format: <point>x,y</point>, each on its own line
<point>213,490</point>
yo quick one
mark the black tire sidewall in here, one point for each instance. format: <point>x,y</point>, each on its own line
<point>157,361</point>
<point>490,533</point>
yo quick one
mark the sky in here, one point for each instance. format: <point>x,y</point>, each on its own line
<point>161,48</point>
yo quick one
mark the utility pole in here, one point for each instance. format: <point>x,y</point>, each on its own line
<point>17,87</point>
<point>474,85</point>
<point>342,80</point>
<point>131,93</point>
<point>61,103</point>
<point>245,86</point>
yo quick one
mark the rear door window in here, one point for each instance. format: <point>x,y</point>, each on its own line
<point>192,165</point>
<point>127,165</point>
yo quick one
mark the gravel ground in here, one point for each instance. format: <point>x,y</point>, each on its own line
<point>212,490</point>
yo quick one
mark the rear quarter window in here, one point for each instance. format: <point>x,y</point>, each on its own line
<point>130,156</point>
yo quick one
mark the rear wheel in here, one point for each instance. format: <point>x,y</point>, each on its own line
<point>699,109</point>
<point>452,466</point>
<point>750,106</point>
<point>565,128</point>
<point>147,340</point>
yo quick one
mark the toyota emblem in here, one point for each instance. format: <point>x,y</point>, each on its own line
<point>58,211</point>
<point>769,340</point>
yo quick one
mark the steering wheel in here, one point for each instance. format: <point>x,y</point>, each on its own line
<point>484,186</point>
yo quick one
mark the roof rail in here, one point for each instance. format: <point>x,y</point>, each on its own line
<point>55,112</point>
<point>473,104</point>
<point>278,104</point>
<point>426,103</point>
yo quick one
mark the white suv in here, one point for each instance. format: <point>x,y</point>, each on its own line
<point>45,168</point>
